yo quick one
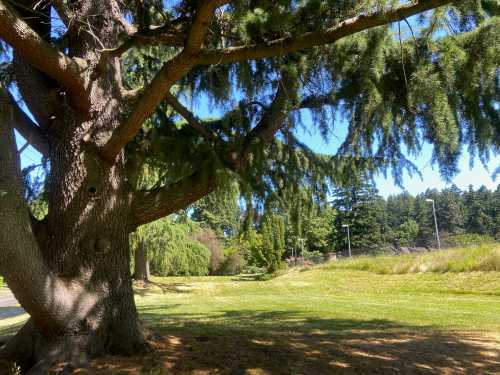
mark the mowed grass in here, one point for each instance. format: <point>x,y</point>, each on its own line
<point>326,299</point>
<point>480,258</point>
<point>322,320</point>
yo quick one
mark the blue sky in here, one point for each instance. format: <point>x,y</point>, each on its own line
<point>476,176</point>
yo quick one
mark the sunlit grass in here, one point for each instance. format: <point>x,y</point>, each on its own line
<point>325,298</point>
<point>322,297</point>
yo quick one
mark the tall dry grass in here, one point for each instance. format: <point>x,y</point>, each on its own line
<point>480,258</point>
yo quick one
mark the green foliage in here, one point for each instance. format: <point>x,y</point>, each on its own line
<point>39,208</point>
<point>219,211</point>
<point>319,229</point>
<point>407,232</point>
<point>171,250</point>
<point>233,264</point>
<point>266,248</point>
<point>396,88</point>
<point>479,258</point>
<point>360,207</point>
<point>314,256</point>
<point>468,240</point>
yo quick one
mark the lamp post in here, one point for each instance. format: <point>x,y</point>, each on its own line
<point>348,238</point>
<point>435,220</point>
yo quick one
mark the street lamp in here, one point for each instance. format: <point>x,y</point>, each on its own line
<point>348,238</point>
<point>435,220</point>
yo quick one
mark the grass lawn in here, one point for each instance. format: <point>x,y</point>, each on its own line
<point>317,321</point>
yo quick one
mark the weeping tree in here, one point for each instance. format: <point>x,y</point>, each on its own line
<point>112,85</point>
<point>170,249</point>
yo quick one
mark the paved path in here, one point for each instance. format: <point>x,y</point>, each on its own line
<point>9,306</point>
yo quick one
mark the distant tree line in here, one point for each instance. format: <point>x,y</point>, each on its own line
<point>230,230</point>
<point>405,220</point>
<point>227,231</point>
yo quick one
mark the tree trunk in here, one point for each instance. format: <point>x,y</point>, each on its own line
<point>141,262</point>
<point>72,277</point>
<point>71,272</point>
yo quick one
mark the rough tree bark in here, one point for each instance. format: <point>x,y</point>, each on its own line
<point>70,272</point>
<point>76,284</point>
<point>141,262</point>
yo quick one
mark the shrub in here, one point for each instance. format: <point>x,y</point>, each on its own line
<point>267,247</point>
<point>252,269</point>
<point>233,264</point>
<point>209,239</point>
<point>171,250</point>
<point>314,256</point>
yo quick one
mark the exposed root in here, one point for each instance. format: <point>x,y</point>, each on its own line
<point>36,354</point>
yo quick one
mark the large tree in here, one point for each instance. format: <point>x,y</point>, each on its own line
<point>107,82</point>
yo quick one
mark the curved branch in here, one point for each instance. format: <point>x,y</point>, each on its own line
<point>193,55</point>
<point>191,119</point>
<point>272,120</point>
<point>154,204</point>
<point>160,35</point>
<point>23,124</point>
<point>160,86</point>
<point>28,44</point>
<point>290,44</point>
<point>48,299</point>
<point>312,101</point>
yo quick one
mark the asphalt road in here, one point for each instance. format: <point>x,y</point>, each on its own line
<point>9,306</point>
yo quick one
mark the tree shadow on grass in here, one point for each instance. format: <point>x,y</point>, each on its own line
<point>287,342</point>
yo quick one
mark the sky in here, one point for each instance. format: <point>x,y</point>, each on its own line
<point>477,175</point>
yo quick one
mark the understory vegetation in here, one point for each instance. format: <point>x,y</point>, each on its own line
<point>227,232</point>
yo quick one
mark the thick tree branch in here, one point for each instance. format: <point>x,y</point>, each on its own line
<point>272,120</point>
<point>172,71</point>
<point>154,204</point>
<point>28,44</point>
<point>164,35</point>
<point>24,125</point>
<point>317,38</point>
<point>311,102</point>
<point>48,299</point>
<point>195,123</point>
<point>202,21</point>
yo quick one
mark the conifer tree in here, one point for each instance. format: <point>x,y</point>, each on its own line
<point>478,219</point>
<point>109,85</point>
<point>360,207</point>
<point>450,211</point>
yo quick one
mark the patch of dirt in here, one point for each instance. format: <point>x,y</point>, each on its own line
<point>317,353</point>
